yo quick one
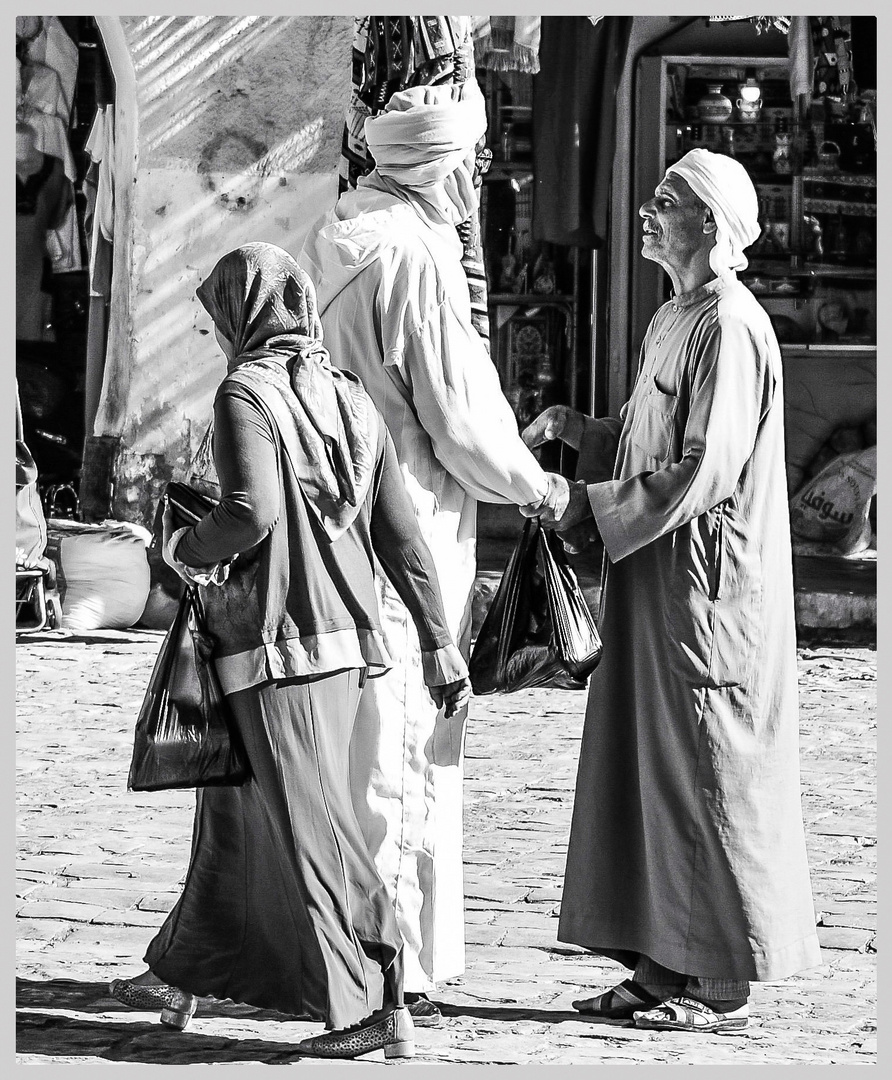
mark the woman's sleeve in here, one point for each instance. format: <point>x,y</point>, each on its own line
<point>246,458</point>
<point>402,551</point>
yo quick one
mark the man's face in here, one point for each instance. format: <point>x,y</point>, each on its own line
<point>673,224</point>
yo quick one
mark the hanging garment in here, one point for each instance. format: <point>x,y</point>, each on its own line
<point>54,48</point>
<point>44,108</point>
<point>99,188</point>
<point>63,244</point>
<point>802,58</point>
<point>574,127</point>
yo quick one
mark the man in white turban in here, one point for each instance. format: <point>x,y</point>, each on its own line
<point>395,307</point>
<point>687,859</point>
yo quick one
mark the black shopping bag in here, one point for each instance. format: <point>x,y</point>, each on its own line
<point>538,630</point>
<point>184,735</point>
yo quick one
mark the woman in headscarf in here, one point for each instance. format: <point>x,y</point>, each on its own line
<point>283,907</point>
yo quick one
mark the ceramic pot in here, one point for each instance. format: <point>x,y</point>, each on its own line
<point>714,107</point>
<point>828,156</point>
<point>749,111</point>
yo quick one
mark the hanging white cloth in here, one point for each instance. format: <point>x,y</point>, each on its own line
<point>63,244</point>
<point>99,218</point>
<point>55,49</point>
<point>43,107</point>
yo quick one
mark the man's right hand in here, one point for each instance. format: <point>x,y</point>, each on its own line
<point>555,422</point>
<point>553,506</point>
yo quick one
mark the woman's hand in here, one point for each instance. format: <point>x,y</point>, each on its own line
<point>452,696</point>
<point>167,530</point>
<point>216,574</point>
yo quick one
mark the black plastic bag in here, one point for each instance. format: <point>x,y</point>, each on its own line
<point>538,630</point>
<point>184,735</point>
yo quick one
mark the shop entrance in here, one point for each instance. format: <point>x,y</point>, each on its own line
<point>64,107</point>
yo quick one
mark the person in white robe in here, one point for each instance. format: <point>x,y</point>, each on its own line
<point>687,858</point>
<point>395,307</point>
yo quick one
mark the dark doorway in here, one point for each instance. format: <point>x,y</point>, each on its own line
<point>63,73</point>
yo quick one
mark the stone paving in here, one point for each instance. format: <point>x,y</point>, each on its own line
<point>98,867</point>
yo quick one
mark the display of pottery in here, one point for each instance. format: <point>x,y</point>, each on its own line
<point>714,107</point>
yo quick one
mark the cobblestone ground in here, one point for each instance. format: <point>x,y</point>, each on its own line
<point>99,867</point>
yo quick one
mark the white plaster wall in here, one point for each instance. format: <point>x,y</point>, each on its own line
<point>239,123</point>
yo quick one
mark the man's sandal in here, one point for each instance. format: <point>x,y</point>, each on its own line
<point>688,1014</point>
<point>620,1003</point>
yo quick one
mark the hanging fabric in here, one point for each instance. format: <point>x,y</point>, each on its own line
<point>831,40</point>
<point>42,107</point>
<point>46,76</point>
<point>574,127</point>
<point>391,53</point>
<point>99,216</point>
<point>761,22</point>
<point>507,42</point>
<point>802,59</point>
<point>53,47</point>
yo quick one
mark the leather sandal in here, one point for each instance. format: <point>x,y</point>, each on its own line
<point>423,1011</point>
<point>688,1014</point>
<point>394,1034</point>
<point>620,1003</point>
<point>177,1006</point>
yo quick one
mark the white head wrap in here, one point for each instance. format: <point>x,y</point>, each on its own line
<point>426,132</point>
<point>724,185</point>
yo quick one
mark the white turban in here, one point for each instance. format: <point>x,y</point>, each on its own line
<point>426,132</point>
<point>724,185</point>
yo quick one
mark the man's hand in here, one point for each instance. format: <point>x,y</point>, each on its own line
<point>569,508</point>
<point>555,422</point>
<point>453,695</point>
<point>579,537</point>
<point>555,502</point>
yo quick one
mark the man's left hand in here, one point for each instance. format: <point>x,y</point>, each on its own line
<point>579,537</point>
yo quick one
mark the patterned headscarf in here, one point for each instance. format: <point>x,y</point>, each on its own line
<point>262,302</point>
<point>725,186</point>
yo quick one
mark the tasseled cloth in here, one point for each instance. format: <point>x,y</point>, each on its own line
<point>507,42</point>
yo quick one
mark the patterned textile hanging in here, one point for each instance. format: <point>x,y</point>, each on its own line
<point>761,22</point>
<point>507,42</point>
<point>391,53</point>
<point>831,42</point>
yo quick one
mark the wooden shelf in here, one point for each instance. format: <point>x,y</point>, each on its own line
<point>838,352</point>
<point>781,268</point>
<point>530,299</point>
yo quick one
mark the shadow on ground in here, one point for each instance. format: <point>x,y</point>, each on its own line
<point>94,997</point>
<point>508,1014</point>
<point>54,1036</point>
